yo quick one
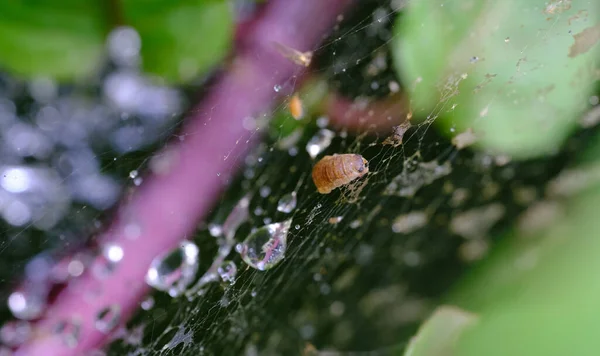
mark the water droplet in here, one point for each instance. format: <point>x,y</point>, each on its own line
<point>75,268</point>
<point>106,263</point>
<point>70,332</point>
<point>277,88</point>
<point>239,248</point>
<point>133,174</point>
<point>26,305</point>
<point>265,247</point>
<point>227,270</point>
<point>174,271</point>
<point>215,230</point>
<point>297,227</point>
<point>507,39</point>
<point>322,122</point>
<point>474,59</point>
<point>319,142</point>
<point>113,252</point>
<point>15,333</point>
<point>138,181</point>
<point>356,224</point>
<point>147,303</point>
<point>287,203</point>
<point>265,191</point>
<point>124,45</point>
<point>108,318</point>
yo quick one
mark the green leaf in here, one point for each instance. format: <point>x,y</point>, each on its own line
<point>65,40</point>
<point>62,39</point>
<point>182,39</point>
<point>516,72</point>
<point>537,294</point>
<point>439,334</point>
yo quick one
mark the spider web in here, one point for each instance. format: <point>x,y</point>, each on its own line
<point>363,266</point>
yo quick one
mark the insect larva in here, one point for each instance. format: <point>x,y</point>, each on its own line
<point>300,58</point>
<point>296,108</point>
<point>334,171</point>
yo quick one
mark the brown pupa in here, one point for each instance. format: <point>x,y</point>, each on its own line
<point>334,171</point>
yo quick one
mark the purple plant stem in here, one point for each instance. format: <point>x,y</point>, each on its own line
<point>168,206</point>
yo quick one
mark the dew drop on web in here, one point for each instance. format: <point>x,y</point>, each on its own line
<point>108,318</point>
<point>319,142</point>
<point>287,203</point>
<point>27,304</point>
<point>174,271</point>
<point>266,246</point>
<point>147,303</point>
<point>215,230</point>
<point>110,257</point>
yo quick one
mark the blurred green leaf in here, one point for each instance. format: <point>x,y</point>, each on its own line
<point>181,39</point>
<point>439,334</point>
<point>62,39</point>
<point>538,293</point>
<point>517,72</point>
<point>65,40</point>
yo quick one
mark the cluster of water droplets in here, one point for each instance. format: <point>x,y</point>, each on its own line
<point>227,271</point>
<point>15,333</point>
<point>51,152</point>
<point>173,272</point>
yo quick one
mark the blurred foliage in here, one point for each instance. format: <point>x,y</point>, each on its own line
<point>537,294</point>
<point>65,40</point>
<point>438,334</point>
<point>516,72</point>
<point>182,39</point>
<point>43,38</point>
